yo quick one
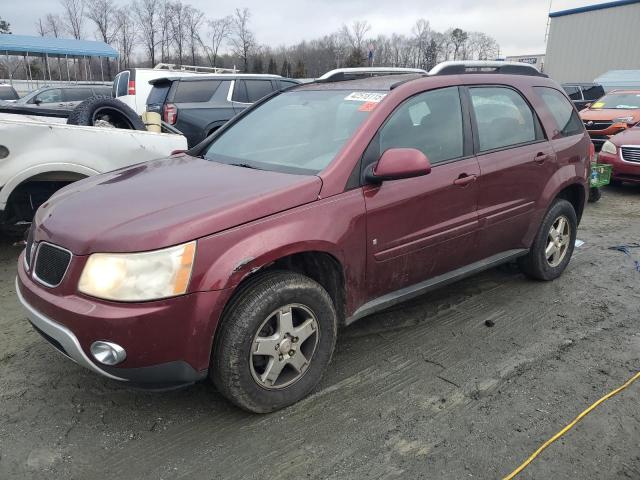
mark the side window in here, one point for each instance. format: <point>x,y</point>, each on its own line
<point>195,91</point>
<point>256,89</point>
<point>567,120</point>
<point>122,86</point>
<point>503,117</point>
<point>593,93</point>
<point>430,122</point>
<point>573,92</point>
<point>77,94</point>
<point>49,96</point>
<point>240,92</point>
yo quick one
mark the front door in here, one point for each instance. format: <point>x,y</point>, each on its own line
<point>418,228</point>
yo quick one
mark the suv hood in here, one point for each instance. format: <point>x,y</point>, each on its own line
<point>165,202</point>
<point>630,136</point>
<point>610,114</point>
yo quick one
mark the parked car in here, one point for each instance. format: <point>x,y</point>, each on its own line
<point>66,96</point>
<point>8,93</point>
<point>198,106</point>
<point>611,114</point>
<point>132,86</point>
<point>622,152</point>
<point>41,153</point>
<point>583,94</point>
<point>316,207</point>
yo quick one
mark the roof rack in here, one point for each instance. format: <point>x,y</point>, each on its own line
<point>193,68</point>
<point>482,66</point>
<point>340,74</point>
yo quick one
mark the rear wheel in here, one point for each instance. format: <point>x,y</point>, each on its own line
<point>274,342</point>
<point>553,246</point>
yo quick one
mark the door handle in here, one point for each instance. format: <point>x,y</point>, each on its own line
<point>464,180</point>
<point>540,158</point>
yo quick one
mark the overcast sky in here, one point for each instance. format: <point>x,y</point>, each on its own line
<point>517,25</point>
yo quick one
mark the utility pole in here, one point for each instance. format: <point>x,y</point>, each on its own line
<point>546,31</point>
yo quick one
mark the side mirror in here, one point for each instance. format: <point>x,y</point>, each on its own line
<point>398,163</point>
<point>587,105</point>
<point>37,101</point>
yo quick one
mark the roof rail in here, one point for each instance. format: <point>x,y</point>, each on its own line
<point>340,74</point>
<point>193,68</point>
<point>482,66</point>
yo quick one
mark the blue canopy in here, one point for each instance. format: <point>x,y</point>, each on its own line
<point>21,44</point>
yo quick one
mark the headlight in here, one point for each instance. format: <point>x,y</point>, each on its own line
<point>138,276</point>
<point>608,147</point>
<point>623,120</point>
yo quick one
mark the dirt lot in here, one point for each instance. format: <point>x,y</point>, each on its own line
<point>419,392</point>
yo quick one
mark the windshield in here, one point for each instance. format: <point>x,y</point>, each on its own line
<point>300,131</point>
<point>621,101</point>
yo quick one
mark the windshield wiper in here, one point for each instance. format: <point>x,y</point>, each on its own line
<point>244,165</point>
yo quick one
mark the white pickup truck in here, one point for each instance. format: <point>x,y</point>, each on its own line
<point>39,155</point>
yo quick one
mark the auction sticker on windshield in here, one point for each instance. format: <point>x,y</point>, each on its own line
<point>365,97</point>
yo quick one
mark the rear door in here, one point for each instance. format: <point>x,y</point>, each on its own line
<point>516,162</point>
<point>418,228</point>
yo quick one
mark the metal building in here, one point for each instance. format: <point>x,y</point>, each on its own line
<point>586,42</point>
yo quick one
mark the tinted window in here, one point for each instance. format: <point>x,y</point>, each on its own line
<point>567,119</point>
<point>593,93</point>
<point>8,93</point>
<point>430,122</point>
<point>239,92</point>
<point>158,94</point>
<point>194,92</point>
<point>256,89</point>
<point>573,92</point>
<point>121,84</point>
<point>503,117</point>
<point>49,96</point>
<point>77,94</point>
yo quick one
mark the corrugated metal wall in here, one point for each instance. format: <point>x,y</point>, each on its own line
<point>585,45</point>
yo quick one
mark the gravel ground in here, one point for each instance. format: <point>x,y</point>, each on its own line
<point>423,391</point>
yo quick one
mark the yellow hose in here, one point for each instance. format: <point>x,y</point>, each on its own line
<point>569,427</point>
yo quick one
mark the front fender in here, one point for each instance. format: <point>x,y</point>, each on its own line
<point>335,226</point>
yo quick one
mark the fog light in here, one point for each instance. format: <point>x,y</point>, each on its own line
<point>108,353</point>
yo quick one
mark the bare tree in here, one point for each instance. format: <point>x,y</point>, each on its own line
<point>219,30</point>
<point>194,19</point>
<point>74,12</point>
<point>146,13</point>
<point>458,38</point>
<point>355,35</point>
<point>126,38</point>
<point>41,27</point>
<point>165,29</point>
<point>103,14</point>
<point>178,27</point>
<point>54,25</point>
<point>242,41</point>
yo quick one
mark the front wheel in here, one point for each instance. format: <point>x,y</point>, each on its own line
<point>553,245</point>
<point>274,342</point>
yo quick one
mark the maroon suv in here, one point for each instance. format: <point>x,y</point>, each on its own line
<point>239,259</point>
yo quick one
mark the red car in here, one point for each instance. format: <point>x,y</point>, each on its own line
<point>622,152</point>
<point>611,114</point>
<point>318,206</point>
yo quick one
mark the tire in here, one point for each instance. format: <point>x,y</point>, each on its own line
<point>257,313</point>
<point>106,112</point>
<point>594,195</point>
<point>615,183</point>
<point>536,264</point>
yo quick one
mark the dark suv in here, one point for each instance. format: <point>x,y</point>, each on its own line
<point>316,207</point>
<point>199,105</point>
<point>583,94</point>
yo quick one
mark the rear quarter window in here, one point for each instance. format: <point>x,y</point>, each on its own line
<point>8,93</point>
<point>121,84</point>
<point>257,89</point>
<point>195,92</point>
<point>567,120</point>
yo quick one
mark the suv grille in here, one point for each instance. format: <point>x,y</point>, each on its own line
<point>51,264</point>
<point>28,249</point>
<point>631,154</point>
<point>597,125</point>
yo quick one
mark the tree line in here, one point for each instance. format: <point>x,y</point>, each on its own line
<point>146,32</point>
